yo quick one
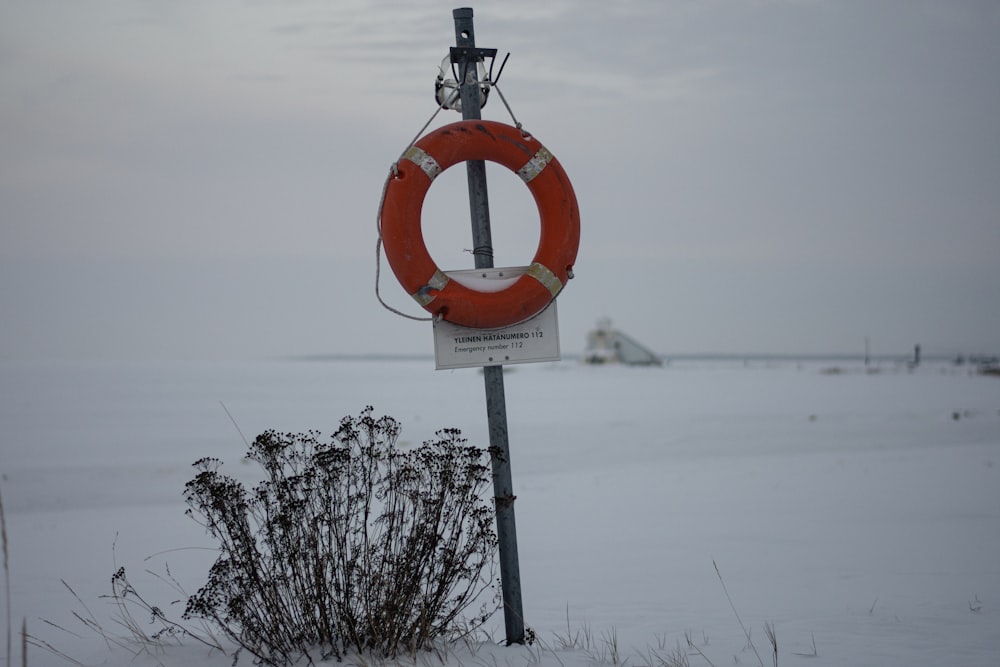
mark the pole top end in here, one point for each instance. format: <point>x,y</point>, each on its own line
<point>462,13</point>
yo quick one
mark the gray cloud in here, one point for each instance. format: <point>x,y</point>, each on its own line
<point>827,170</point>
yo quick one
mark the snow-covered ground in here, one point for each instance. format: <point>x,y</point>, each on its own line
<point>854,512</point>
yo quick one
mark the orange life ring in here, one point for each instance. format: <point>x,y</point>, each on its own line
<point>558,212</point>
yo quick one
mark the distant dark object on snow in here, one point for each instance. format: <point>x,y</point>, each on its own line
<point>987,365</point>
<point>606,345</point>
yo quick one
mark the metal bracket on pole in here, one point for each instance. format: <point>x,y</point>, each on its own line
<point>461,54</point>
<point>496,406</point>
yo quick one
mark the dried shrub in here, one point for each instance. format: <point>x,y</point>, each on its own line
<point>348,544</point>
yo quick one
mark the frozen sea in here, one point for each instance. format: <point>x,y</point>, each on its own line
<point>856,510</point>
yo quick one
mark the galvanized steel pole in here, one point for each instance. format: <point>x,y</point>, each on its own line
<point>496,405</point>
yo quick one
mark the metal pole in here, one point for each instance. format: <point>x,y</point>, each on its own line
<point>496,405</point>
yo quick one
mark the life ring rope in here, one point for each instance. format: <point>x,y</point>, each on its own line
<point>394,172</point>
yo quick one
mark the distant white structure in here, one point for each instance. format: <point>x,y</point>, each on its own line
<point>606,345</point>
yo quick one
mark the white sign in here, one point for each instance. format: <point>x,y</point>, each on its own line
<point>535,339</point>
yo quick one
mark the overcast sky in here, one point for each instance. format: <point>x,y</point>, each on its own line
<point>193,179</point>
